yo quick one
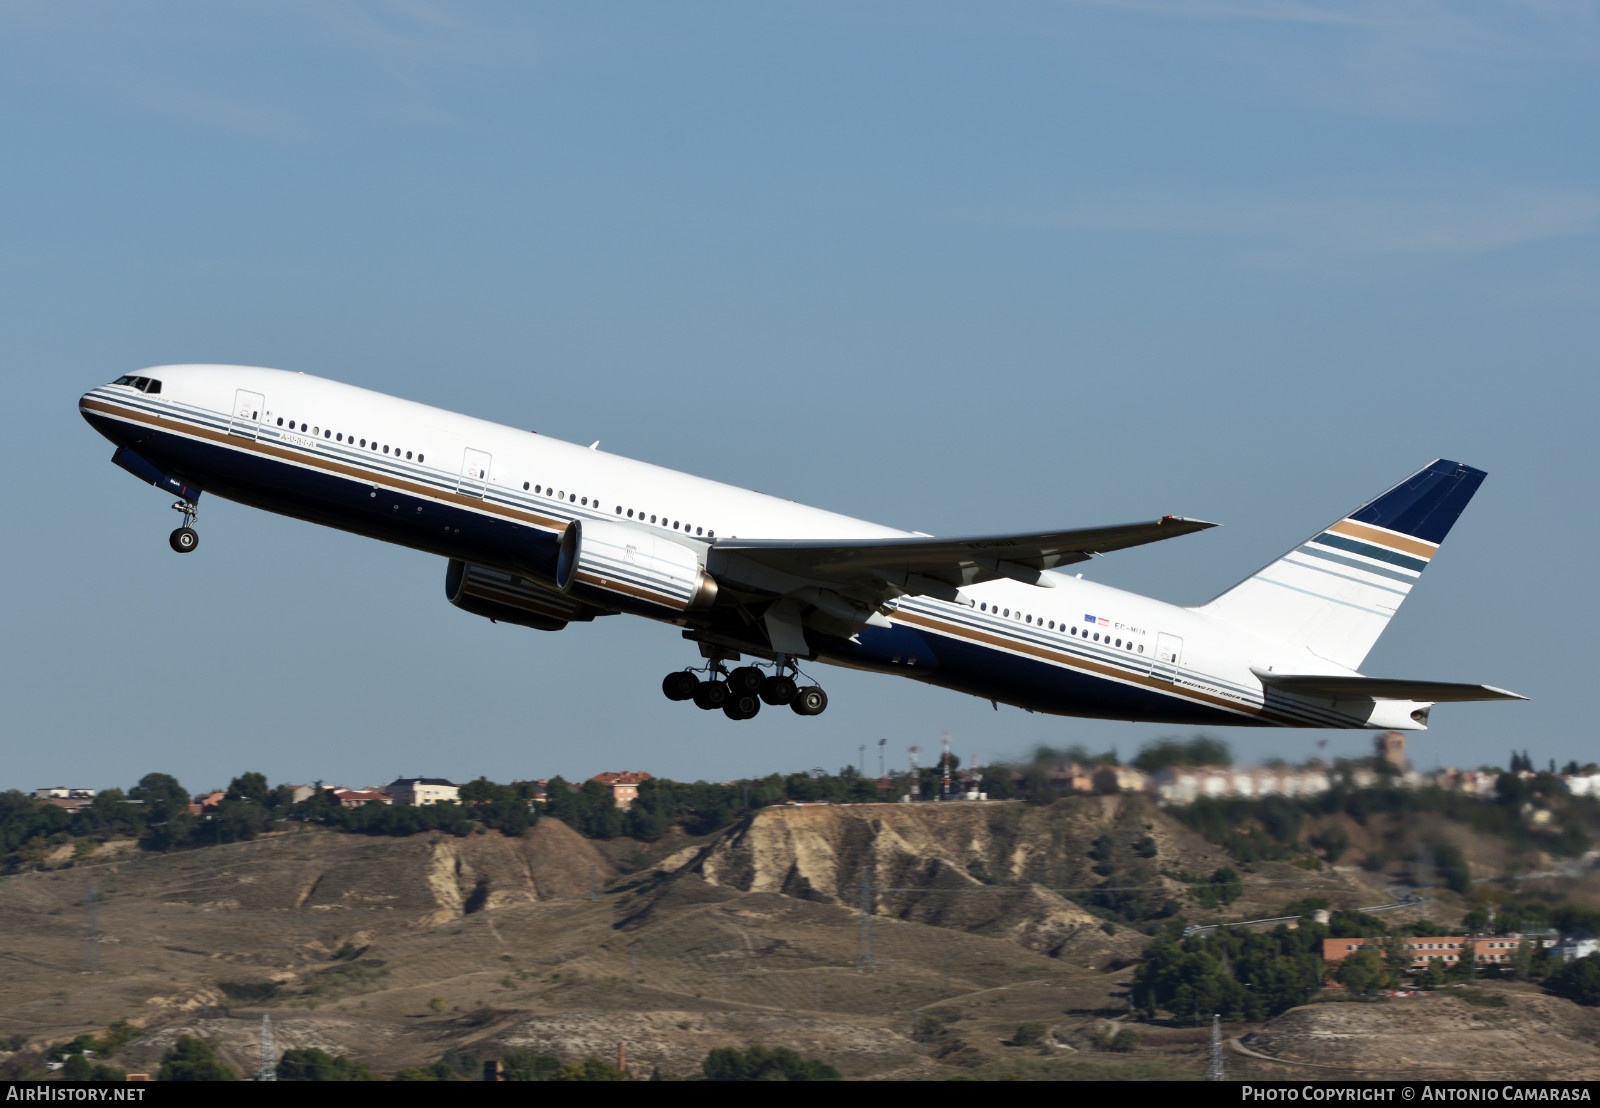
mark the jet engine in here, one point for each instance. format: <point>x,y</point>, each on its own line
<point>632,566</point>
<point>507,598</point>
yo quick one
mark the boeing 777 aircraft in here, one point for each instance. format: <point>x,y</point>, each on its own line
<point>544,533</point>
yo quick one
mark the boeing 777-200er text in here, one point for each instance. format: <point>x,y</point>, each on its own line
<point>544,533</point>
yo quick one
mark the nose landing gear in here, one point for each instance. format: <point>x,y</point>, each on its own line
<point>185,538</point>
<point>741,692</point>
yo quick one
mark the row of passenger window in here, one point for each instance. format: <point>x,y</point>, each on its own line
<point>583,501</point>
<point>339,437</point>
<point>1065,628</point>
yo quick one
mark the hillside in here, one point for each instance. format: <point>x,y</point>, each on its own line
<point>986,916</point>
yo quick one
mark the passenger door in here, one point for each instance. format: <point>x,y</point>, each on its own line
<point>474,473</point>
<point>246,419</point>
<point>1169,656</point>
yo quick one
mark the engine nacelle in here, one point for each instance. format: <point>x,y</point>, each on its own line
<point>506,598</point>
<point>634,565</point>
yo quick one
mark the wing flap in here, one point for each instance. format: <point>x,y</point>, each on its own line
<point>956,561</point>
<point>1381,688</point>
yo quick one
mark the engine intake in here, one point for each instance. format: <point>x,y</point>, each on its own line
<point>507,598</point>
<point>630,563</point>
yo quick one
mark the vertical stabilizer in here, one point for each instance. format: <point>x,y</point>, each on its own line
<point>1334,593</point>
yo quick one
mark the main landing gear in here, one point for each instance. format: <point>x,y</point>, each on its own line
<point>185,538</point>
<point>741,692</point>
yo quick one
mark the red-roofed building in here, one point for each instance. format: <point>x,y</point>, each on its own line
<point>69,803</point>
<point>355,798</point>
<point>1490,950</point>
<point>624,786</point>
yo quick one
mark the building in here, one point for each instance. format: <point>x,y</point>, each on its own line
<point>1493,950</point>
<point>1185,784</point>
<point>1390,747</point>
<point>299,794</point>
<point>69,804</point>
<point>61,792</point>
<point>355,798</point>
<point>422,790</point>
<point>1571,949</point>
<point>208,803</point>
<point>624,786</point>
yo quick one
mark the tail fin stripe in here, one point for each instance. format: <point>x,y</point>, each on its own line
<point>1329,599</point>
<point>1324,556</point>
<point>1367,550</point>
<point>1391,539</point>
<point>1323,568</point>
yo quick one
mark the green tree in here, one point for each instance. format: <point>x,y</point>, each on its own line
<point>1363,971</point>
<point>759,1063</point>
<point>1578,980</point>
<point>77,1067</point>
<point>590,1069</point>
<point>31,854</point>
<point>1453,868</point>
<point>528,1065</point>
<point>162,796</point>
<point>312,1064</point>
<point>1432,976</point>
<point>1333,840</point>
<point>250,786</point>
<point>1397,958</point>
<point>192,1059</point>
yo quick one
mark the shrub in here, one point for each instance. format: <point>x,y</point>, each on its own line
<point>1124,1041</point>
<point>192,1059</point>
<point>1028,1034</point>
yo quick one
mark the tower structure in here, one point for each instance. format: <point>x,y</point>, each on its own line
<point>1390,747</point>
<point>864,953</point>
<point>91,930</point>
<point>944,785</point>
<point>267,1070</point>
<point>1214,1072</point>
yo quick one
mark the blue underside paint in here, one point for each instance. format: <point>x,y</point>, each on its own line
<point>1026,682</point>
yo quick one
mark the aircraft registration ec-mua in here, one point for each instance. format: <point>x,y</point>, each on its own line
<point>544,533</point>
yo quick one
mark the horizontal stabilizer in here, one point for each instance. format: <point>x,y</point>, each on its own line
<point>1380,688</point>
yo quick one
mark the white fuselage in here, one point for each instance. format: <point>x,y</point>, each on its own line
<point>408,473</point>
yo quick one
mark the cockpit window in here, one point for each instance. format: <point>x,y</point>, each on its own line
<point>143,384</point>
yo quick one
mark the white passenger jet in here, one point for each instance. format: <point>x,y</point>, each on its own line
<point>544,533</point>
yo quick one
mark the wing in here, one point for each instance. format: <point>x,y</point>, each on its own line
<point>866,564</point>
<point>1381,688</point>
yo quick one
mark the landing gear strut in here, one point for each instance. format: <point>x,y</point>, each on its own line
<point>185,538</point>
<point>741,692</point>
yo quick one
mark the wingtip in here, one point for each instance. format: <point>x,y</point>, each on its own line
<point>1186,521</point>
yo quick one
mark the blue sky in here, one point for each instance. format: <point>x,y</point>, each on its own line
<point>956,268</point>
